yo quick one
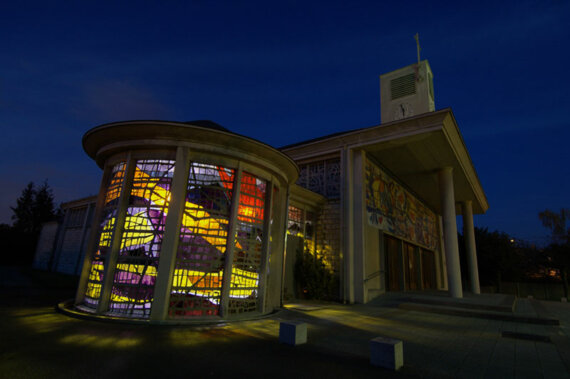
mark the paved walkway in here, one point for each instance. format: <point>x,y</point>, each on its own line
<point>439,345</point>
<point>37,342</point>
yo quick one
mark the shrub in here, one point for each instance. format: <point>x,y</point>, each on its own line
<point>313,279</point>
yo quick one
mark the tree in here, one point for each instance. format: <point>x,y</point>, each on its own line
<point>24,210</point>
<point>34,207</point>
<point>498,257</point>
<point>559,248</point>
<point>556,222</point>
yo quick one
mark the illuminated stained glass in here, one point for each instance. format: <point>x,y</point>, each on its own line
<point>295,221</point>
<point>198,276</point>
<point>141,240</point>
<point>199,268</point>
<point>197,281</point>
<point>248,248</point>
<point>113,192</point>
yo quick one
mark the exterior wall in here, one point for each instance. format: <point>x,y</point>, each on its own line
<point>65,250</point>
<point>374,263</point>
<point>45,247</point>
<point>392,209</point>
<point>324,177</point>
<point>328,235</point>
<point>72,251</point>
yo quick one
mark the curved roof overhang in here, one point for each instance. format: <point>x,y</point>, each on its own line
<point>103,141</point>
<point>413,150</point>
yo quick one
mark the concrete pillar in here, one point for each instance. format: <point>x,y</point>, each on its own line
<point>347,227</point>
<point>470,248</point>
<point>169,248</point>
<point>230,244</point>
<point>359,214</point>
<point>266,240</point>
<point>447,197</point>
<point>279,244</point>
<point>113,254</point>
<point>441,263</point>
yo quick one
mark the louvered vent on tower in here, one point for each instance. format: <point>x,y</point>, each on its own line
<point>403,86</point>
<point>406,92</point>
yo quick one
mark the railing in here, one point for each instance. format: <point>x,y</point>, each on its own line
<point>373,275</point>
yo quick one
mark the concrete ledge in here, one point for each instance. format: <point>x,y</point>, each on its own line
<point>292,332</point>
<point>69,309</point>
<point>387,353</point>
<point>506,305</point>
<point>484,315</point>
<point>526,336</point>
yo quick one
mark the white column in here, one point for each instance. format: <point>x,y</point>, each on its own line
<point>470,248</point>
<point>347,227</point>
<point>115,246</point>
<point>447,198</point>
<point>358,209</point>
<point>266,240</point>
<point>170,239</point>
<point>230,244</point>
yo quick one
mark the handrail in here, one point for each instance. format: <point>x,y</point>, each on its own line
<point>373,275</point>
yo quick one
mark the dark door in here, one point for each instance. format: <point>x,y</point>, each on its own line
<point>394,268</point>
<point>428,269</point>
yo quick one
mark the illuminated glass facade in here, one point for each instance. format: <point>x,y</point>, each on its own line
<point>106,227</point>
<point>180,236</point>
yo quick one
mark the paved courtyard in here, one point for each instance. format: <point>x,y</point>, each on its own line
<point>38,342</point>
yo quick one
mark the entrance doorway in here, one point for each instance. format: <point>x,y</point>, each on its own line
<point>411,267</point>
<point>428,269</point>
<point>393,263</point>
<point>408,267</point>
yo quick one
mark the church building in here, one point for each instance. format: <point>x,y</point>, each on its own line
<point>195,222</point>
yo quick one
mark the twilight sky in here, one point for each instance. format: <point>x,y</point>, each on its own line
<point>283,72</point>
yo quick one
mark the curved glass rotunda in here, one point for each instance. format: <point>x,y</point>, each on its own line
<point>189,223</point>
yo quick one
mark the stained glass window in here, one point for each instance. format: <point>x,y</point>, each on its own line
<point>246,266</point>
<point>295,221</point>
<point>141,240</point>
<point>322,177</point>
<point>198,275</point>
<point>106,228</point>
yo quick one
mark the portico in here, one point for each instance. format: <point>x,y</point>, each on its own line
<point>403,184</point>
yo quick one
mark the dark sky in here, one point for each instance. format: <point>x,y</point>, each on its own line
<point>284,72</point>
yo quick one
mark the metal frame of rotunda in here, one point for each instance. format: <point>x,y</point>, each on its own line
<point>189,223</point>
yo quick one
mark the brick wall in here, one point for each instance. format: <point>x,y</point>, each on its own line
<point>328,235</point>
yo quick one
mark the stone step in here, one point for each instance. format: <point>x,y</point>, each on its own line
<point>456,311</point>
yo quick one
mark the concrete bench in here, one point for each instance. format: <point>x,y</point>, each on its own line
<point>387,352</point>
<point>292,332</point>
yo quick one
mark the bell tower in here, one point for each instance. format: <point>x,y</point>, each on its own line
<point>406,92</point>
